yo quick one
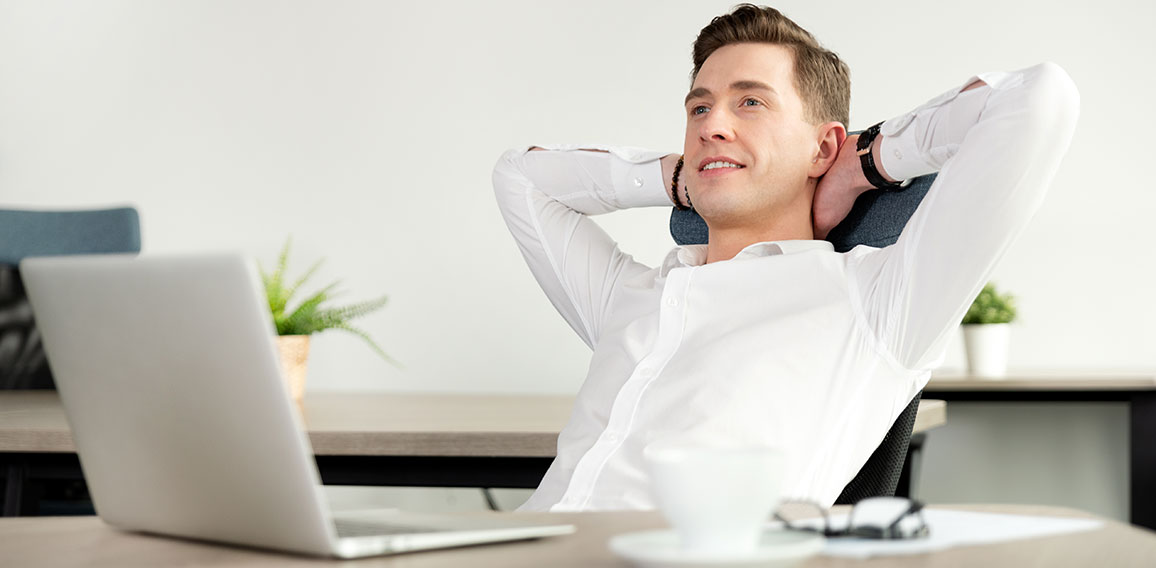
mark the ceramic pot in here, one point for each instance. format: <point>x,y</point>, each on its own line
<point>987,349</point>
<point>294,351</point>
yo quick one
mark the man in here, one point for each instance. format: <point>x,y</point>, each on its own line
<point>766,336</point>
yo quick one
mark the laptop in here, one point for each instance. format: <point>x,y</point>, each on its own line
<point>167,371</point>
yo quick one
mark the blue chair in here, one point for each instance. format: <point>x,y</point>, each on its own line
<point>876,220</point>
<point>41,233</point>
<point>29,490</point>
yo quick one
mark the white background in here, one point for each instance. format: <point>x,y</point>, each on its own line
<point>367,130</point>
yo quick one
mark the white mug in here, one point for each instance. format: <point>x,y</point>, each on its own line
<point>717,499</point>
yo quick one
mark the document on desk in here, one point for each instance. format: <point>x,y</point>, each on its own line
<point>950,529</point>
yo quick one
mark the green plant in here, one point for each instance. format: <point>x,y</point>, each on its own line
<point>313,314</point>
<point>991,307</point>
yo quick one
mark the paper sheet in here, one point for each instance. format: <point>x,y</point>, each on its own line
<point>950,529</point>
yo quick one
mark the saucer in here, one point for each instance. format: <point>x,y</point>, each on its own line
<point>661,549</point>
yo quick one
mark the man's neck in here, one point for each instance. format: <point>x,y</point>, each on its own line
<point>725,243</point>
<point>726,239</point>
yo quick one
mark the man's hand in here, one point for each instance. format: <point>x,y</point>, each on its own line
<point>838,189</point>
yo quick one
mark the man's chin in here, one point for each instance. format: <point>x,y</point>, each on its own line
<point>722,214</point>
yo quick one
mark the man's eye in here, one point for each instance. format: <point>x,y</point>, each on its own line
<point>751,102</point>
<point>700,109</point>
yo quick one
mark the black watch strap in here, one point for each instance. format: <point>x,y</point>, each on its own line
<point>867,161</point>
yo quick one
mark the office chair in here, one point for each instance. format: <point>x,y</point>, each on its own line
<point>41,233</point>
<point>22,362</point>
<point>876,220</point>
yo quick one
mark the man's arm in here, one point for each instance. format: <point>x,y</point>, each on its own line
<point>669,162</point>
<point>546,196</point>
<point>837,191</point>
<point>997,146</point>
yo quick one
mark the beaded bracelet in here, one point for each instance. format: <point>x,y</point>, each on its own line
<point>674,188</point>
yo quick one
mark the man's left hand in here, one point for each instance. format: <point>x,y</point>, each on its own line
<point>838,189</point>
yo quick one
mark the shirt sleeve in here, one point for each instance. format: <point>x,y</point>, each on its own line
<point>996,148</point>
<point>546,197</point>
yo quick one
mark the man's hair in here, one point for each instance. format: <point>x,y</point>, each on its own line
<point>821,78</point>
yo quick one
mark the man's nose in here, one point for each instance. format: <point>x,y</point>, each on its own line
<point>716,126</point>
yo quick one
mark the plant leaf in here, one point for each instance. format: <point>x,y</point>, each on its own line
<point>990,307</point>
<point>372,344</point>
<point>312,315</point>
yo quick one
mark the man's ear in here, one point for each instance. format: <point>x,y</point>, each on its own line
<point>829,139</point>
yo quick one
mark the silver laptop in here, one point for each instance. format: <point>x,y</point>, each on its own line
<point>167,370</point>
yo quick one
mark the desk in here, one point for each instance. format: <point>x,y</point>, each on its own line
<point>431,440</point>
<point>1138,391</point>
<point>86,541</point>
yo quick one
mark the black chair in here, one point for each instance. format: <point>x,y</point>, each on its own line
<point>876,220</point>
<point>49,490</point>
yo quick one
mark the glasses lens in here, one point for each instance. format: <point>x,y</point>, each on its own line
<point>801,515</point>
<point>912,526</point>
<point>879,511</point>
<point>887,517</point>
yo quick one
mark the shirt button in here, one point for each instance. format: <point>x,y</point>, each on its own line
<point>646,373</point>
<point>672,302</point>
<point>638,182</point>
<point>898,155</point>
<point>611,437</point>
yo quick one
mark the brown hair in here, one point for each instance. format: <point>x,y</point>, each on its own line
<point>822,79</point>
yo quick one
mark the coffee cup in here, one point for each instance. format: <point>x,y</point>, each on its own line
<point>717,499</point>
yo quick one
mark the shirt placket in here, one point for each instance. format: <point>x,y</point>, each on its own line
<point>671,327</point>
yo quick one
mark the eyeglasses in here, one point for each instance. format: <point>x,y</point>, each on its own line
<point>883,518</point>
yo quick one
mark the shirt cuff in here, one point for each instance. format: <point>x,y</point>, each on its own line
<point>899,157</point>
<point>639,184</point>
<point>636,174</point>
<point>638,177</point>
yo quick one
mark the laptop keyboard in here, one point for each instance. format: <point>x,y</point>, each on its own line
<point>355,528</point>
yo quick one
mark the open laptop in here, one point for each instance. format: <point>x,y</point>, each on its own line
<point>168,373</point>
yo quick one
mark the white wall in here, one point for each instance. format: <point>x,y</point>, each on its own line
<point>367,130</point>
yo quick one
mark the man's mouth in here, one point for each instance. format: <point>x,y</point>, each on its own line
<point>718,164</point>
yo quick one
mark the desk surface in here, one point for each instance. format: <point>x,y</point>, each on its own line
<point>86,541</point>
<point>1044,382</point>
<point>374,424</point>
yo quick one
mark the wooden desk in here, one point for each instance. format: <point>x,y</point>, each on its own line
<point>1139,391</point>
<point>86,541</point>
<point>431,440</point>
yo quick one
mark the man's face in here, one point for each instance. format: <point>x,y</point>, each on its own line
<point>748,147</point>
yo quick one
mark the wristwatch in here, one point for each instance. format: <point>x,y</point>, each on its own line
<point>867,161</point>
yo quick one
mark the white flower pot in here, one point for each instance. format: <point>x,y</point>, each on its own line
<point>987,349</point>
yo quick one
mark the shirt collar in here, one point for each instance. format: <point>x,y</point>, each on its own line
<point>695,255</point>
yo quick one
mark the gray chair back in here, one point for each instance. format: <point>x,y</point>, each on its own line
<point>43,233</point>
<point>876,220</point>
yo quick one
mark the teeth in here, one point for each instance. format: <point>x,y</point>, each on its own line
<point>720,164</point>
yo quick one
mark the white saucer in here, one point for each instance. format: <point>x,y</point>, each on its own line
<point>660,549</point>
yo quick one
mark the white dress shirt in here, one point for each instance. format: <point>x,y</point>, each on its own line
<point>789,344</point>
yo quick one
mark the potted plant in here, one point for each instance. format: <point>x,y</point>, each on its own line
<point>987,332</point>
<point>311,315</point>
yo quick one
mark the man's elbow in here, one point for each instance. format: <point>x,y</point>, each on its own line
<point>507,172</point>
<point>1053,103</point>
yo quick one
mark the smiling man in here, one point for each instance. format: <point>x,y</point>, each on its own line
<point>765,335</point>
